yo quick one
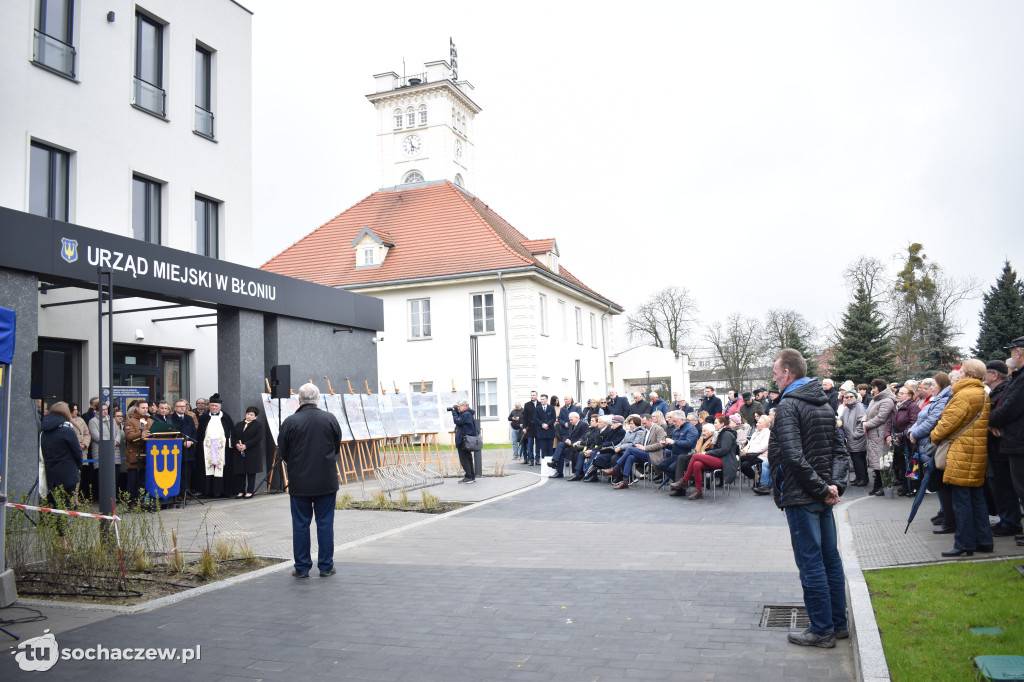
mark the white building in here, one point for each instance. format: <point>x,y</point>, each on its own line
<point>662,369</point>
<point>448,267</point>
<point>134,119</point>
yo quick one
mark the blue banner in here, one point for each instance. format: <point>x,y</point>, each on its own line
<point>163,464</point>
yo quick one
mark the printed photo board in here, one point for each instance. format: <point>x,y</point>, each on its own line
<point>451,399</point>
<point>334,407</point>
<point>426,412</point>
<point>371,412</point>
<point>387,416</point>
<point>403,414</point>
<point>354,412</point>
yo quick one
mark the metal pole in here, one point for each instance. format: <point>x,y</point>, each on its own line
<point>107,475</point>
<point>474,387</point>
<point>8,588</point>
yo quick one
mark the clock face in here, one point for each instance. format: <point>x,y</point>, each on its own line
<point>458,150</point>
<point>412,145</point>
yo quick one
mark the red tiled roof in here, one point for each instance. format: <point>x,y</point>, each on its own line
<point>539,245</point>
<point>437,229</point>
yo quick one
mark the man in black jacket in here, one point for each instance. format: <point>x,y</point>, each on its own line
<point>710,403</point>
<point>809,466</point>
<point>1007,420</point>
<point>999,479</point>
<point>308,444</point>
<point>617,404</point>
<point>529,429</point>
<point>571,435</point>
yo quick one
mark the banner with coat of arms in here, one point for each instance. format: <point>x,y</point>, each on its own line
<point>163,466</point>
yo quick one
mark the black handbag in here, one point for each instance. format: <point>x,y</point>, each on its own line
<point>474,443</point>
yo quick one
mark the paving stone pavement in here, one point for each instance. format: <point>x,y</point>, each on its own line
<point>561,581</point>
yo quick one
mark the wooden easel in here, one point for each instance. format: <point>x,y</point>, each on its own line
<point>348,462</point>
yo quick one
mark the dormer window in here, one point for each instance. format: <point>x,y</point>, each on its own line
<point>371,248</point>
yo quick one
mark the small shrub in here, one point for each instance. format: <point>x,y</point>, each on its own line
<point>224,549</point>
<point>381,501</point>
<point>176,560</point>
<point>499,465</point>
<point>207,563</point>
<point>403,501</point>
<point>430,500</point>
<point>344,502</point>
<point>246,551</point>
<point>141,561</point>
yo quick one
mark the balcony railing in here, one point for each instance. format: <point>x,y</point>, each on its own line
<point>204,122</point>
<point>150,97</point>
<point>53,54</point>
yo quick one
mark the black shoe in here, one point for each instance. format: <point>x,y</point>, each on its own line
<point>677,493</point>
<point>959,552</point>
<point>558,474</point>
<point>1018,538</point>
<point>939,521</point>
<point>985,549</point>
<point>859,483</point>
<point>593,479</point>
<point>470,480</point>
<point>575,477</point>
<point>944,530</point>
<point>843,634</point>
<point>464,479</point>
<point>762,490</point>
<point>300,575</point>
<point>1020,543</point>
<point>810,638</point>
<point>551,464</point>
<point>1004,532</point>
<point>328,574</point>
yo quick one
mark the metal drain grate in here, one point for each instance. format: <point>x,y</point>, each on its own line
<point>787,616</point>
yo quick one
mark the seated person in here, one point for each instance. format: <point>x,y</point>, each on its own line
<point>710,460</point>
<point>607,442</point>
<point>587,445</point>
<point>680,442</point>
<point>756,450</point>
<point>650,451</point>
<point>704,443</point>
<point>634,434</point>
<point>571,435</point>
<point>607,437</point>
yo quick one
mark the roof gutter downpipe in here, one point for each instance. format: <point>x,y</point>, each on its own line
<point>604,347</point>
<point>508,358</point>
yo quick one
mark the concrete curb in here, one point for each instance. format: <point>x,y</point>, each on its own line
<point>267,570</point>
<point>868,654</point>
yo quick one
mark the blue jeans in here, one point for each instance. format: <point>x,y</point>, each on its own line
<point>813,533</point>
<point>303,510</point>
<point>631,456</point>
<point>530,444</point>
<point>766,474</point>
<point>971,514</point>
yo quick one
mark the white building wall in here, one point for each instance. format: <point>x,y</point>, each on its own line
<point>635,363</point>
<point>545,363</point>
<point>110,140</point>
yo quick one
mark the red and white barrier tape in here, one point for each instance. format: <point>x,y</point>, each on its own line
<point>28,507</point>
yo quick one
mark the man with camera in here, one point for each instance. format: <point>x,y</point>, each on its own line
<point>465,427</point>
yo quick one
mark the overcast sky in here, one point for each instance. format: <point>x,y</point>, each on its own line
<point>746,151</point>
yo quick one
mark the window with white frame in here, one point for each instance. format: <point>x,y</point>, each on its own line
<point>483,313</point>
<point>423,114</point>
<point>368,256</point>
<point>398,119</point>
<point>419,318</point>
<point>421,387</point>
<point>593,330</point>
<point>411,116</point>
<point>543,314</point>
<point>579,326</point>
<point>411,177</point>
<point>487,398</point>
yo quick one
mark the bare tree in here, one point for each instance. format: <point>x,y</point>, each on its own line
<point>870,273</point>
<point>740,347</point>
<point>782,326</point>
<point>665,320</point>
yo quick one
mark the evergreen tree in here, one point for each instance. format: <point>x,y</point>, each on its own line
<point>938,354</point>
<point>1002,316</point>
<point>863,351</point>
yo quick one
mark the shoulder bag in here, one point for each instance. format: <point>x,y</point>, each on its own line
<point>473,443</point>
<point>943,448</point>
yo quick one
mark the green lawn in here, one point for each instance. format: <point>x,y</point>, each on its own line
<point>925,615</point>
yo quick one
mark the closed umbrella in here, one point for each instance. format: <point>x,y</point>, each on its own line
<point>926,473</point>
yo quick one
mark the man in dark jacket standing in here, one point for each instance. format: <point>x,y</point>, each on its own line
<point>308,445</point>
<point>529,429</point>
<point>809,467</point>
<point>1007,420</point>
<point>999,479</point>
<point>710,403</point>
<point>465,426</point>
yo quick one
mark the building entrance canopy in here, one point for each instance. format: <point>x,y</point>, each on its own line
<point>65,253</point>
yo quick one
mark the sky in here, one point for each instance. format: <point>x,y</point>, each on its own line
<point>747,151</point>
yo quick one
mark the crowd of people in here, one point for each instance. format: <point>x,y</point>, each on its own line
<point>967,423</point>
<point>220,457</point>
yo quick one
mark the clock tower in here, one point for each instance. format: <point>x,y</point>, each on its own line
<point>425,125</point>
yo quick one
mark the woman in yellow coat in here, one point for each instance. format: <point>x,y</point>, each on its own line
<point>966,460</point>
